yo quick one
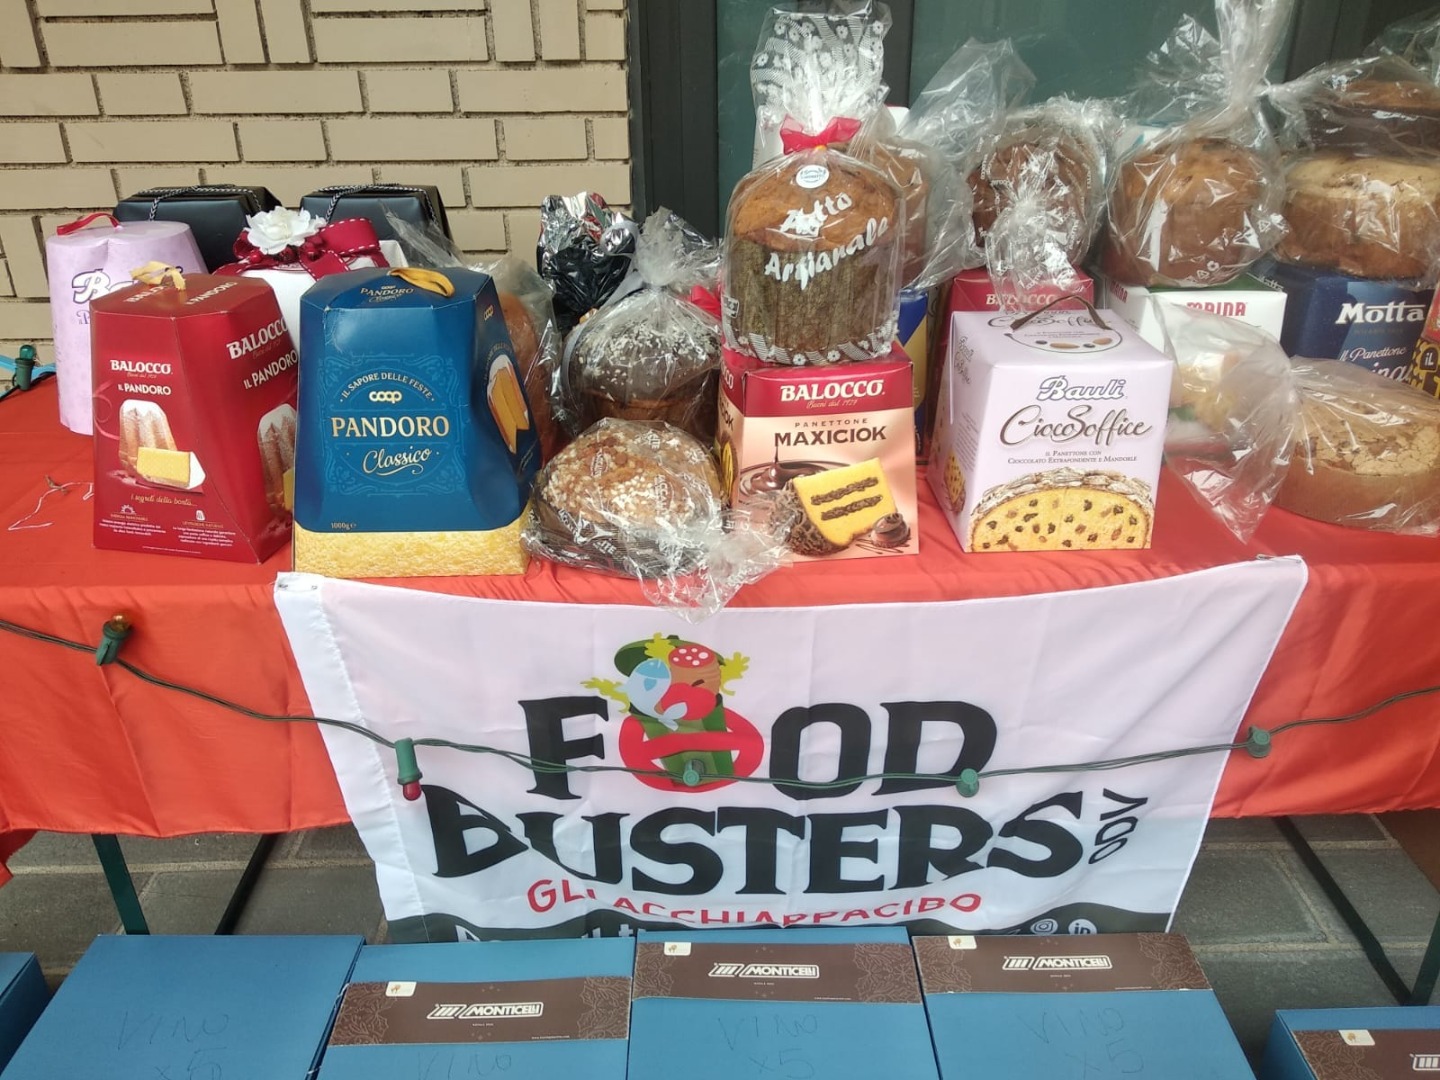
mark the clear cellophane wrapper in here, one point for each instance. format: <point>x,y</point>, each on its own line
<point>931,154</point>
<point>1200,202</point>
<point>1055,152</point>
<point>1367,451</point>
<point>584,253</point>
<point>1234,409</point>
<point>649,353</point>
<point>1372,105</point>
<point>643,500</point>
<point>527,304</point>
<point>814,237</point>
<point>1415,39</point>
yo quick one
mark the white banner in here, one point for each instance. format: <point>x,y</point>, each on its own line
<point>731,724</point>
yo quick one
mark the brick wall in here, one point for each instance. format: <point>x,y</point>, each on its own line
<point>497,102</point>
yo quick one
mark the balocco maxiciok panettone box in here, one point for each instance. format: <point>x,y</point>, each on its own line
<point>1050,432</point>
<point>194,418</point>
<point>829,448</point>
<point>416,451</point>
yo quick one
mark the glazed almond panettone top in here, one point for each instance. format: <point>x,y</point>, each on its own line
<point>780,210</point>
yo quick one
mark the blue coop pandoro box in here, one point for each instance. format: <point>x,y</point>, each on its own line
<point>22,997</point>
<point>1353,1044</point>
<point>832,1003</point>
<point>152,1007</point>
<point>1089,1005</point>
<point>542,1010</point>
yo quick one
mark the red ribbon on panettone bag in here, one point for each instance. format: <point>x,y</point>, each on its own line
<point>840,130</point>
<point>329,251</point>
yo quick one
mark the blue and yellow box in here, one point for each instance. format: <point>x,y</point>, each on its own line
<point>542,1010</point>
<point>416,450</point>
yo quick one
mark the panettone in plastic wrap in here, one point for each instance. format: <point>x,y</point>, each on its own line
<point>1367,452</point>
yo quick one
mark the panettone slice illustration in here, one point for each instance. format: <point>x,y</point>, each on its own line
<point>168,468</point>
<point>954,482</point>
<point>142,423</point>
<point>836,507</point>
<point>1064,510</point>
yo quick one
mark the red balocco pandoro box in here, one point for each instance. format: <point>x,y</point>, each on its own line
<point>194,419</point>
<point>828,449</point>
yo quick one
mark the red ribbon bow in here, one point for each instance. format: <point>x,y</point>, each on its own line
<point>329,251</point>
<point>840,130</point>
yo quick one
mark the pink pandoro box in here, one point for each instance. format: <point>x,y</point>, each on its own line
<point>828,451</point>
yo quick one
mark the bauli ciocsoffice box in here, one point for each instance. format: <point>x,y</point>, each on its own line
<point>832,1003</point>
<point>542,1010</point>
<point>1084,1005</point>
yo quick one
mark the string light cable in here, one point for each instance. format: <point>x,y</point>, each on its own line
<point>117,629</point>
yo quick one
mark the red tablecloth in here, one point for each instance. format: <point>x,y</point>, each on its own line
<point>90,749</point>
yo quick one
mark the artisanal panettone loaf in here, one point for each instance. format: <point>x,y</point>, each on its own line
<point>1367,454</point>
<point>812,269</point>
<point>1373,217</point>
<point>626,497</point>
<point>1193,212</point>
<point>1070,172</point>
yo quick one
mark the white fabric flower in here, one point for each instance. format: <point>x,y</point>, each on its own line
<point>275,230</point>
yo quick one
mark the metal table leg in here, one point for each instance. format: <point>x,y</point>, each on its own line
<point>122,885</point>
<point>241,896</point>
<point>1419,994</point>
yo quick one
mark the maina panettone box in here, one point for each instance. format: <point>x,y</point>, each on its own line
<point>541,1010</point>
<point>831,1003</point>
<point>194,418</point>
<point>1078,1005</point>
<point>830,448</point>
<point>1050,432</point>
<point>1247,298</point>
<point>416,451</point>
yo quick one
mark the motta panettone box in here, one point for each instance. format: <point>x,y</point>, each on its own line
<point>1084,1005</point>
<point>1332,316</point>
<point>827,450</point>
<point>1050,432</point>
<point>1247,298</point>
<point>1353,1044</point>
<point>194,418</point>
<point>833,1003</point>
<point>542,1010</point>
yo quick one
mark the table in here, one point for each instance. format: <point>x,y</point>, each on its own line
<point>93,750</point>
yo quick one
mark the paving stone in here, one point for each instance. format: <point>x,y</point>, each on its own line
<point>1237,897</point>
<point>187,901</point>
<point>56,849</point>
<point>1394,898</point>
<point>56,916</point>
<point>340,842</point>
<point>1320,828</point>
<point>314,900</point>
<point>1242,831</point>
<point>208,847</point>
<point>1253,984</point>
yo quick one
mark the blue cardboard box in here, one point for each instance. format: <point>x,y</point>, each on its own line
<point>1322,1044</point>
<point>415,451</point>
<point>23,994</point>
<point>543,1010</point>
<point>1331,316</point>
<point>827,1003</point>
<point>1091,1005</point>
<point>190,1008</point>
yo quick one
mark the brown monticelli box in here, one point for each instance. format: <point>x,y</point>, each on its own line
<point>194,418</point>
